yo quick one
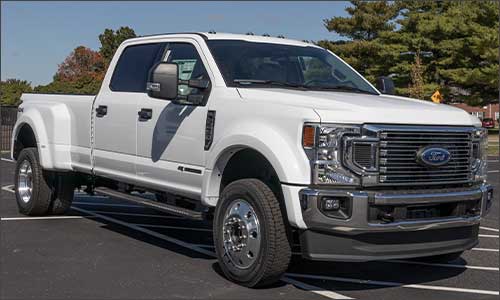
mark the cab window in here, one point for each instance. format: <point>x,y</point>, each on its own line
<point>190,65</point>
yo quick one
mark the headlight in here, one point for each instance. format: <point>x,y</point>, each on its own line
<point>323,147</point>
<point>479,163</point>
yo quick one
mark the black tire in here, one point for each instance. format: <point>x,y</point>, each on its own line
<point>41,193</point>
<point>443,258</point>
<point>275,251</point>
<point>64,191</point>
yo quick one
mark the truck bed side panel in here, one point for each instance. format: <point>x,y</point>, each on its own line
<point>61,124</point>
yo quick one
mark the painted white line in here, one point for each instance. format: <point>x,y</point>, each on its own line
<point>7,160</point>
<point>108,204</point>
<point>314,289</point>
<point>488,228</point>
<point>147,231</point>
<point>494,171</point>
<point>193,247</point>
<point>137,215</point>
<point>42,218</point>
<point>174,227</point>
<point>410,262</point>
<point>489,236</point>
<point>492,160</point>
<point>485,249</point>
<point>393,284</point>
<point>8,188</point>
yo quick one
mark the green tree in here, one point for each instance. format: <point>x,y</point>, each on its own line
<point>462,37</point>
<point>11,90</point>
<point>111,40</point>
<point>366,21</point>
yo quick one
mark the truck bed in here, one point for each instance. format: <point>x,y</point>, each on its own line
<point>66,120</point>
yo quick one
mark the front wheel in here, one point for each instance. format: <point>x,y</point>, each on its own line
<point>250,234</point>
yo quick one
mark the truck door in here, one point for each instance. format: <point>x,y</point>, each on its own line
<point>115,112</point>
<point>170,144</point>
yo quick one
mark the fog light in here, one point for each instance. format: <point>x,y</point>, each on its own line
<point>331,204</point>
<point>338,207</point>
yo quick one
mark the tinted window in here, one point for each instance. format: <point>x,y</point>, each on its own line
<point>190,65</point>
<point>132,70</point>
<point>260,64</point>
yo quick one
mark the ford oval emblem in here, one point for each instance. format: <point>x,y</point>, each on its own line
<point>433,156</point>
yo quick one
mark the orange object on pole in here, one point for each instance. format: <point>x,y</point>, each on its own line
<point>436,97</point>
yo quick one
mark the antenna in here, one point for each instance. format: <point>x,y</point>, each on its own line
<point>281,36</point>
<point>249,33</point>
<point>212,32</point>
<point>266,34</point>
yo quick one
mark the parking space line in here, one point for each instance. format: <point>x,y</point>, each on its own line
<point>7,160</point>
<point>411,262</point>
<point>492,160</point>
<point>485,249</point>
<point>41,218</point>
<point>489,236</point>
<point>494,171</point>
<point>8,188</point>
<point>193,247</point>
<point>147,231</point>
<point>393,284</point>
<point>488,228</point>
<point>174,227</point>
<point>315,289</point>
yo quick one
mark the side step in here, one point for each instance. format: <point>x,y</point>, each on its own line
<point>175,210</point>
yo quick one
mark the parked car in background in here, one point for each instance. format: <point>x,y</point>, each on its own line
<point>488,123</point>
<point>279,142</point>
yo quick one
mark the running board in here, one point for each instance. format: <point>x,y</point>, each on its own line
<point>175,210</point>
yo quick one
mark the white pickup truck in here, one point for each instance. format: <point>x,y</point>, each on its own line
<point>277,141</point>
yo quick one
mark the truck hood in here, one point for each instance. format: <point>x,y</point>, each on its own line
<point>342,107</point>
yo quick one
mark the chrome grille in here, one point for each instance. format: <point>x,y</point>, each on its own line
<point>398,156</point>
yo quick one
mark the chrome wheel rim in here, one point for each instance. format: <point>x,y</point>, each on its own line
<point>241,234</point>
<point>25,181</point>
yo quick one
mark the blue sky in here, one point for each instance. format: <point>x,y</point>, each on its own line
<point>37,36</point>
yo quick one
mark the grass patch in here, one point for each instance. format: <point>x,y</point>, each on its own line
<point>493,148</point>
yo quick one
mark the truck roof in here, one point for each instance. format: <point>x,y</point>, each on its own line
<point>230,36</point>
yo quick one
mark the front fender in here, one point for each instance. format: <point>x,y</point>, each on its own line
<point>283,151</point>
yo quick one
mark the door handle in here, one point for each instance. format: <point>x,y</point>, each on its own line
<point>145,114</point>
<point>101,111</point>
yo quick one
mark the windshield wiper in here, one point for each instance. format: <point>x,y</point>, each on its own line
<point>266,82</point>
<point>340,88</point>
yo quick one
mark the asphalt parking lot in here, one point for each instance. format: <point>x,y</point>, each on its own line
<point>107,248</point>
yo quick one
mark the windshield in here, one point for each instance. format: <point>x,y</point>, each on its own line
<point>253,64</point>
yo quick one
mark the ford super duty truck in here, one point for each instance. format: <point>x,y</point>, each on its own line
<point>273,140</point>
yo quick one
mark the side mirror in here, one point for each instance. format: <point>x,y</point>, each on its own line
<point>385,85</point>
<point>163,81</point>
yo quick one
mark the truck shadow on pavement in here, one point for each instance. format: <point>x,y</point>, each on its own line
<point>374,271</point>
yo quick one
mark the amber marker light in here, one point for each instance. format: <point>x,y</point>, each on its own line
<point>308,136</point>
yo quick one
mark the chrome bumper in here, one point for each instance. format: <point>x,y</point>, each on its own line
<point>359,223</point>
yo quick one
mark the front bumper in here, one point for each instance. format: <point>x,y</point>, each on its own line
<point>362,236</point>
